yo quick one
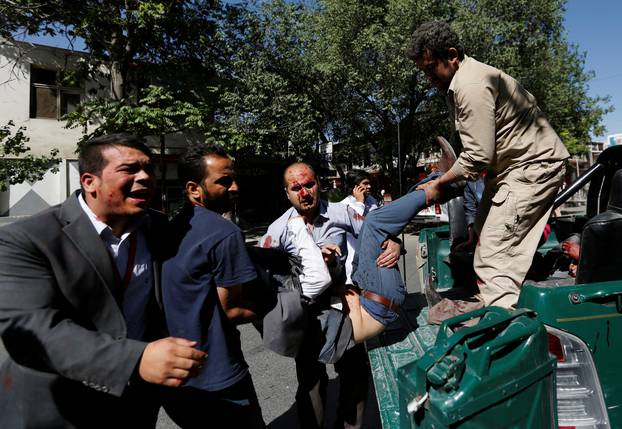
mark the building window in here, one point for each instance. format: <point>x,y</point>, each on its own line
<point>48,97</point>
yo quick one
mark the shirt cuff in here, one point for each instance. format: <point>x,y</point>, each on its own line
<point>458,171</point>
<point>358,207</point>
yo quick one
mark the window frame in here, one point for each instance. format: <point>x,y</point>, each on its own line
<point>60,90</point>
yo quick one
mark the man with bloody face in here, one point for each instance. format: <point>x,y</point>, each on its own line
<point>79,312</point>
<point>328,224</point>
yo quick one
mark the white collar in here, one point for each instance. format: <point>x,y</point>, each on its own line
<point>98,224</point>
<point>103,230</point>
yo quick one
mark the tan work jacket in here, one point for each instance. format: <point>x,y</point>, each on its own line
<point>499,123</point>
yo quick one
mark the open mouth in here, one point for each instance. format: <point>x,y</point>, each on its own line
<point>142,194</point>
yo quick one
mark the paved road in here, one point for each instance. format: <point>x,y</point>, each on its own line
<point>275,376</point>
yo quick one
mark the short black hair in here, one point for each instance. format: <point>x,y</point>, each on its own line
<point>355,177</point>
<point>191,165</point>
<point>90,158</point>
<point>437,37</point>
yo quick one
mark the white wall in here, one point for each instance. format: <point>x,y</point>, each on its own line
<point>15,62</point>
<point>45,134</point>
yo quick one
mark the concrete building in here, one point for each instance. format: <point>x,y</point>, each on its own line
<point>30,96</point>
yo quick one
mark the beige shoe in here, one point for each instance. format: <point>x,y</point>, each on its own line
<point>448,156</point>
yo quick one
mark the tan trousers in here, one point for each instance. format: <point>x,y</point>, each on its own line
<point>510,221</point>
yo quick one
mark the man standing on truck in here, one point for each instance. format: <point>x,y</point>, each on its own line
<point>504,133</point>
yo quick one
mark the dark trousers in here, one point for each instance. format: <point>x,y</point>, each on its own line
<point>353,370</point>
<point>234,407</point>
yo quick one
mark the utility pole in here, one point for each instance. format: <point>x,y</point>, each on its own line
<point>399,175</point>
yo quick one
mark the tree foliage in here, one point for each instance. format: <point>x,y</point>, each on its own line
<point>336,70</point>
<point>136,41</point>
<point>279,78</point>
<point>16,164</point>
<point>265,108</point>
<point>157,112</point>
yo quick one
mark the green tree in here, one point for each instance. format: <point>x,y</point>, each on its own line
<point>157,60</point>
<point>269,105</point>
<point>337,70</point>
<point>16,164</point>
<point>136,41</point>
<point>278,78</point>
<point>158,112</point>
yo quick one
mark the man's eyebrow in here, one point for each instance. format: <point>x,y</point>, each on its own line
<point>225,177</point>
<point>128,164</point>
<point>134,163</point>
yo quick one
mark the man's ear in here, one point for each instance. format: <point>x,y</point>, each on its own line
<point>89,182</point>
<point>194,191</point>
<point>452,54</point>
<point>286,194</point>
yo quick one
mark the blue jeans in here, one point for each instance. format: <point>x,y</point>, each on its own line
<point>389,220</point>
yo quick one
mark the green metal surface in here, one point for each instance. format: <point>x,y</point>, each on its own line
<point>592,312</point>
<point>497,373</point>
<point>402,343</point>
<point>436,241</point>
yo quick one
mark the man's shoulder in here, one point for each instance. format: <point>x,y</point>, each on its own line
<point>199,226</point>
<point>339,206</point>
<point>347,200</point>
<point>280,222</point>
<point>337,211</point>
<point>473,71</point>
<point>275,236</point>
<point>215,223</point>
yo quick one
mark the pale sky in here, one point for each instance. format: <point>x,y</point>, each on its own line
<point>594,25</point>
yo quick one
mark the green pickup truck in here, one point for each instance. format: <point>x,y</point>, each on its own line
<point>551,363</point>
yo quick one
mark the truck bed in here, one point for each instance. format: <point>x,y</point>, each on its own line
<point>401,343</point>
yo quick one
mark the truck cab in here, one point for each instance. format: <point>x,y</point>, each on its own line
<point>577,320</point>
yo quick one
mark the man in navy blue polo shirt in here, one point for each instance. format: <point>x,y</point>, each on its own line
<point>204,286</point>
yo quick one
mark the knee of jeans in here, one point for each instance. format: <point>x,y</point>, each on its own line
<point>370,218</point>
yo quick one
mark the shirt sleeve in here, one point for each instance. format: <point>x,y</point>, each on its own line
<point>354,221</point>
<point>475,123</point>
<point>274,237</point>
<point>315,277</point>
<point>232,264</point>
